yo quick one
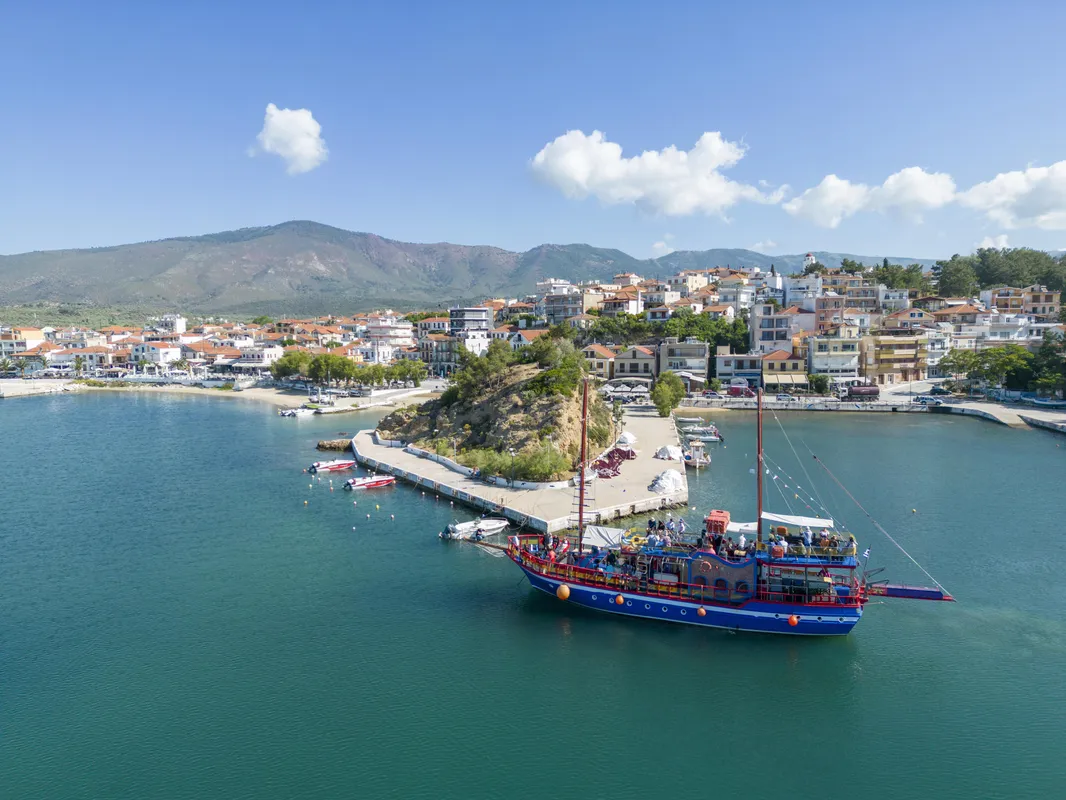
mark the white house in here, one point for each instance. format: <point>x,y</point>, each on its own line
<point>156,353</point>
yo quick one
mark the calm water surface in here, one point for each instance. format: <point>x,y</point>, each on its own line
<point>176,623</point>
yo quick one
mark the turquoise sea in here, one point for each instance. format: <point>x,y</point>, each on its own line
<point>176,623</point>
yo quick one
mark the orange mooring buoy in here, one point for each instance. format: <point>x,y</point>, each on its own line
<point>702,611</point>
<point>793,620</point>
<point>618,599</point>
<point>563,592</point>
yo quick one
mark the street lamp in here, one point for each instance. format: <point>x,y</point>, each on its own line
<point>511,451</point>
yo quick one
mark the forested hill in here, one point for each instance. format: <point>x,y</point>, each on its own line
<point>302,268</point>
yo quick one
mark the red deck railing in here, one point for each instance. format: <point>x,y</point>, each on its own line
<point>634,584</point>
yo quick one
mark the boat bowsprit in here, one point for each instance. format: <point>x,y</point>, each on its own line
<point>336,465</point>
<point>475,529</point>
<point>370,482</point>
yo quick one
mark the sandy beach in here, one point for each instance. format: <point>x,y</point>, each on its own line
<point>281,398</point>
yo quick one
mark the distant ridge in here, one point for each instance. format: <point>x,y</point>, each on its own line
<point>303,267</point>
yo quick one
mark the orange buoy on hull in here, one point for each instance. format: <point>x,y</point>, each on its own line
<point>563,592</point>
<point>702,611</point>
<point>793,620</point>
<point>618,599</point>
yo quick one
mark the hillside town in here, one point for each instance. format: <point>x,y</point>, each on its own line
<point>782,331</point>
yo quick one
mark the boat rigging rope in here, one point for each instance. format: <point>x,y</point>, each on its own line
<point>803,467</point>
<point>876,524</point>
<point>821,510</point>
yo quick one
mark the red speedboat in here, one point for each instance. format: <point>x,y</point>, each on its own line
<point>337,465</point>
<point>372,482</point>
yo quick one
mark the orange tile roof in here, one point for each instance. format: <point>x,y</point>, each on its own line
<point>600,351</point>
<point>778,355</point>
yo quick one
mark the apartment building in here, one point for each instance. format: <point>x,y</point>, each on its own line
<point>895,358</point>
<point>689,359</point>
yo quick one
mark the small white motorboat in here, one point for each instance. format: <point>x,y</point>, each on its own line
<point>336,465</point>
<point>700,429</point>
<point>296,412</point>
<point>474,530</point>
<point>693,420</point>
<point>703,437</point>
<point>371,482</point>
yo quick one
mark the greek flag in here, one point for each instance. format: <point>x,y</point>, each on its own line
<point>867,553</point>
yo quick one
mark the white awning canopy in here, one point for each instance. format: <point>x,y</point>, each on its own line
<point>801,522</point>
<point>602,537</point>
<point>814,523</point>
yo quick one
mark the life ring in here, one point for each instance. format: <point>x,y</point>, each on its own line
<point>705,566</point>
<point>639,541</point>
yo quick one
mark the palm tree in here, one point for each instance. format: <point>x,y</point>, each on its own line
<point>181,363</point>
<point>6,365</point>
<point>79,365</point>
<point>142,365</point>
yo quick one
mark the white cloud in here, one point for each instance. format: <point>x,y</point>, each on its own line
<point>761,247</point>
<point>295,135</point>
<point>668,181</point>
<point>908,192</point>
<point>1030,198</point>
<point>830,201</point>
<point>998,242</point>
<point>663,247</point>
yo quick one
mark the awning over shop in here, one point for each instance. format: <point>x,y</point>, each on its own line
<point>784,379</point>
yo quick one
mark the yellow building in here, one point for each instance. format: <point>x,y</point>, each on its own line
<point>784,371</point>
<point>895,358</point>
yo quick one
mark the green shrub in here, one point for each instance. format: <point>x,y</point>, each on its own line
<point>449,396</point>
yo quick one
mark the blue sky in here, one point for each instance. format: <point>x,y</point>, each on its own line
<point>130,121</point>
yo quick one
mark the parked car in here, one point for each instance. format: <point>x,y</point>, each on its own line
<point>939,390</point>
<point>786,398</point>
<point>740,391</point>
<point>926,400</point>
<point>712,395</point>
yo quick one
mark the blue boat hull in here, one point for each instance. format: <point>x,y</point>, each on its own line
<point>754,616</point>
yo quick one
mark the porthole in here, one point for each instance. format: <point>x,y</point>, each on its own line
<point>647,605</point>
<point>819,619</point>
<point>593,597</point>
<point>629,602</point>
<point>683,612</point>
<point>777,616</point>
<point>841,619</point>
<point>664,609</point>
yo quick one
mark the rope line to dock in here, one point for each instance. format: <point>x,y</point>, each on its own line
<point>877,525</point>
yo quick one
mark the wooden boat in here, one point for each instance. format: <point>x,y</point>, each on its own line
<point>781,582</point>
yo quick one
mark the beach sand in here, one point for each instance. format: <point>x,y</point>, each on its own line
<point>281,398</point>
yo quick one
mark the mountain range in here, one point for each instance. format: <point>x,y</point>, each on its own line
<point>305,267</point>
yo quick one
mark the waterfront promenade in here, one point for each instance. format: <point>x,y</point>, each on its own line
<point>545,509</point>
<point>1013,415</point>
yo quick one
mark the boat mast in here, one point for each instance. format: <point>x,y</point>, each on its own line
<point>759,466</point>
<point>581,467</point>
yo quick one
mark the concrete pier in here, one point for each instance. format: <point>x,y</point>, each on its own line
<point>544,509</point>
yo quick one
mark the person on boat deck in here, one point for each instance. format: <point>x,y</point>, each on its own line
<point>670,524</point>
<point>681,526</point>
<point>651,525</point>
<point>662,526</point>
<point>807,536</point>
<point>666,541</point>
<point>743,542</point>
<point>717,541</point>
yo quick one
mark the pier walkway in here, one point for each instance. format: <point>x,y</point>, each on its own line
<point>544,509</point>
